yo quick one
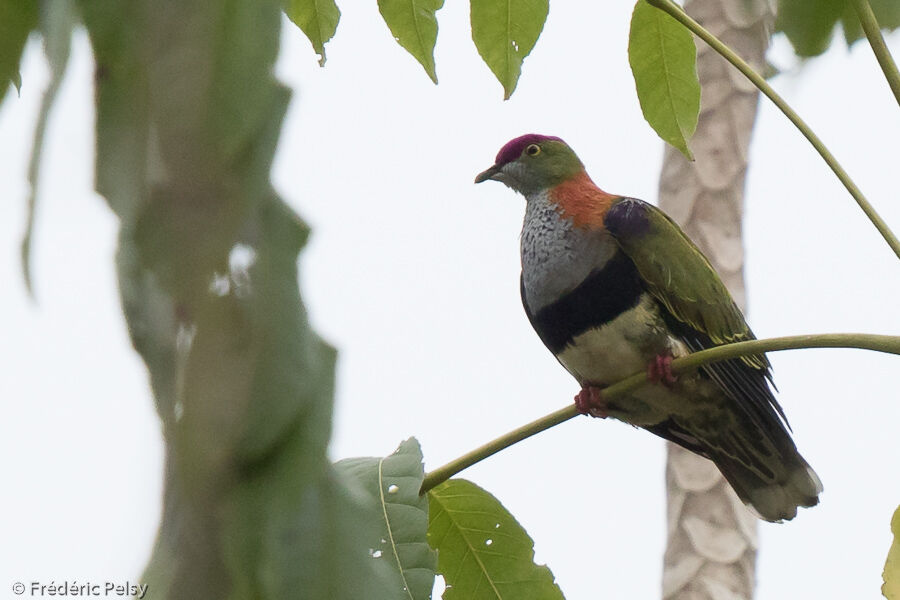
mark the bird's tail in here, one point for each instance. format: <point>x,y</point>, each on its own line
<point>761,465</point>
<point>772,483</point>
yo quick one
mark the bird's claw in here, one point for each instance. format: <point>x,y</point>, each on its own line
<point>660,370</point>
<point>590,401</point>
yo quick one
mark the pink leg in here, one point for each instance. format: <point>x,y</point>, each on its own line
<point>589,401</point>
<point>660,370</point>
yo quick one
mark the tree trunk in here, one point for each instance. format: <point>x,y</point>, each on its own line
<point>711,548</point>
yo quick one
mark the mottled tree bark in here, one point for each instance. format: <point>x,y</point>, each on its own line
<point>711,549</point>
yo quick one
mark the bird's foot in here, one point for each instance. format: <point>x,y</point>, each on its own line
<point>590,401</point>
<point>660,370</point>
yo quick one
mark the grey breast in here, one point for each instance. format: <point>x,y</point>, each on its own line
<point>556,255</point>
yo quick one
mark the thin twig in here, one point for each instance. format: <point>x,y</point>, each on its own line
<point>873,33</point>
<point>682,17</point>
<point>864,341</point>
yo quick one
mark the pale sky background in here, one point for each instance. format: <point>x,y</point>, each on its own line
<point>412,272</point>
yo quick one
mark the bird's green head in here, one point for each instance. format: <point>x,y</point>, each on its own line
<point>533,162</point>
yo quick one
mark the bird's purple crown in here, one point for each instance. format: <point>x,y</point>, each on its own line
<point>513,148</point>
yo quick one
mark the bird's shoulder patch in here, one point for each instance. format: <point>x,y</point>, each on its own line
<point>627,217</point>
<point>582,201</point>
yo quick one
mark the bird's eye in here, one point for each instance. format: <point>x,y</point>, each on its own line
<point>533,150</point>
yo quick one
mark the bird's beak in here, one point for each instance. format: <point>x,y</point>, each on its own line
<point>489,173</point>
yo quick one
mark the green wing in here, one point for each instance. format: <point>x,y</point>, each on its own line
<point>747,438</point>
<point>677,274</point>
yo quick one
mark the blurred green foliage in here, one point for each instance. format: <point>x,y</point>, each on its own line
<point>810,25</point>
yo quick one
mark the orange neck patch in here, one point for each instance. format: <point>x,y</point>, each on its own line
<point>582,201</point>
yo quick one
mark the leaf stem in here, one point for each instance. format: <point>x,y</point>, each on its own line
<point>682,17</point>
<point>876,41</point>
<point>865,341</point>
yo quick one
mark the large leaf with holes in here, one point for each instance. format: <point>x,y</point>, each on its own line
<point>392,484</point>
<point>413,25</point>
<point>505,33</point>
<point>891,587</point>
<point>663,60</point>
<point>483,552</point>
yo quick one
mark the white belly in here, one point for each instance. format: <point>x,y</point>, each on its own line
<point>620,348</point>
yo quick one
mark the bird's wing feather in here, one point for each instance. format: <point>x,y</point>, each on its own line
<point>695,302</point>
<point>677,274</point>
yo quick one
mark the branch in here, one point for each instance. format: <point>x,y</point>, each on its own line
<point>864,341</point>
<point>873,32</point>
<point>682,17</point>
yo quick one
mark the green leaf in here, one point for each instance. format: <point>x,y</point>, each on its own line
<point>413,25</point>
<point>318,19</point>
<point>808,25</point>
<point>483,552</point>
<point>663,60</point>
<point>891,587</point>
<point>505,31</point>
<point>887,13</point>
<point>17,19</point>
<point>392,484</point>
<point>57,21</point>
<point>207,263</point>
